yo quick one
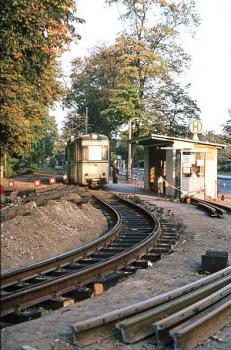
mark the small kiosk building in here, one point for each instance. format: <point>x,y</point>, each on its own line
<point>184,166</point>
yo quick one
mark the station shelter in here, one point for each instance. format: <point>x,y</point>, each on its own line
<point>181,166</point>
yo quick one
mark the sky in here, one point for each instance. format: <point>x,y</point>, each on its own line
<point>210,50</point>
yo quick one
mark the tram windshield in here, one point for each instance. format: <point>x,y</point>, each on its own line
<point>94,152</point>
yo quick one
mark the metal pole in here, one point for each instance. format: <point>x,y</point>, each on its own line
<point>86,120</point>
<point>129,173</point>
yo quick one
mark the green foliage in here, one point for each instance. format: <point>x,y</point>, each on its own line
<point>223,155</point>
<point>169,111</point>
<point>119,82</point>
<point>38,150</point>
<point>227,131</point>
<point>11,164</point>
<point>118,148</point>
<point>33,35</point>
<point>93,79</point>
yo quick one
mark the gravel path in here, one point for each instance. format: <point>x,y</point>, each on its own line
<point>201,233</point>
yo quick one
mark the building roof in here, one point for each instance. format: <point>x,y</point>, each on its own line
<point>163,141</point>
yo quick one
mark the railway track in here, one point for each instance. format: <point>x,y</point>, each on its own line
<point>219,205</point>
<point>133,239</point>
<point>211,208</point>
<point>182,317</point>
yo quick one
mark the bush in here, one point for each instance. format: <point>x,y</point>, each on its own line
<point>10,166</point>
<point>224,166</point>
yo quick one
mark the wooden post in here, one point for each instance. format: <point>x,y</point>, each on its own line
<point>5,165</point>
<point>1,171</point>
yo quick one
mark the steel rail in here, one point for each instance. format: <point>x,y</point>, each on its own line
<point>90,330</point>
<point>140,326</point>
<point>60,285</point>
<point>61,260</point>
<point>192,332</point>
<point>166,329</point>
<point>218,205</point>
<point>211,208</point>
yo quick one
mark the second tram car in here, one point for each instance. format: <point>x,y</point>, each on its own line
<point>87,160</point>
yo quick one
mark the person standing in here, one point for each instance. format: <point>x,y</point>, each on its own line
<point>115,172</point>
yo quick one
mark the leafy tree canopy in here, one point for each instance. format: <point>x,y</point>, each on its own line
<point>227,130</point>
<point>33,34</point>
<point>168,111</point>
<point>120,82</point>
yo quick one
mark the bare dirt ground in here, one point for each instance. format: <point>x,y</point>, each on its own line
<point>49,230</point>
<point>200,234</point>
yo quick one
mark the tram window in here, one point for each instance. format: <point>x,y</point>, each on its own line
<point>104,152</point>
<point>84,153</point>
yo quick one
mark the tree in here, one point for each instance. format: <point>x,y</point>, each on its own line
<point>38,149</point>
<point>223,154</point>
<point>34,34</point>
<point>158,57</point>
<point>168,112</point>
<point>118,83</point>
<point>227,131</point>
<point>101,84</point>
<point>161,39</point>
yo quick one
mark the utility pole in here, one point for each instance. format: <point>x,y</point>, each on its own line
<point>129,172</point>
<point>86,121</point>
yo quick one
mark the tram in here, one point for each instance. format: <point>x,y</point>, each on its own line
<point>87,160</point>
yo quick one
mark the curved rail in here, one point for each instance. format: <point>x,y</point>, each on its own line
<point>125,249</point>
<point>63,259</point>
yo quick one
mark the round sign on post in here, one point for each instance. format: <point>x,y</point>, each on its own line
<point>195,127</point>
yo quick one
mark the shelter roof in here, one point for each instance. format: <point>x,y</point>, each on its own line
<point>164,141</point>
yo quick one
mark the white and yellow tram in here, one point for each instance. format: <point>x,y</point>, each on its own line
<point>87,160</point>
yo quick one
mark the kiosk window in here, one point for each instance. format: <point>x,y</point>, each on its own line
<point>193,164</point>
